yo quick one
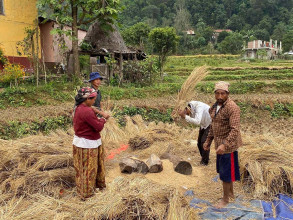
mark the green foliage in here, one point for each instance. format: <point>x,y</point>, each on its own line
<point>164,41</point>
<point>131,92</point>
<point>251,87</point>
<point>147,114</point>
<point>262,34</point>
<point>141,73</point>
<point>90,10</point>
<point>77,13</point>
<point>28,95</point>
<point>288,41</point>
<point>281,110</point>
<point>11,73</point>
<point>84,61</point>
<point>222,36</point>
<point>137,35</point>
<point>85,46</point>
<point>16,129</point>
<point>266,19</point>
<point>232,44</point>
<point>261,54</point>
<point>276,76</point>
<point>3,58</point>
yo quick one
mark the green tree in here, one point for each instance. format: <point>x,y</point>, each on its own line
<point>266,24</point>
<point>80,12</point>
<point>235,23</point>
<point>137,35</point>
<point>232,44</point>
<point>262,34</point>
<point>182,18</point>
<point>201,41</point>
<point>164,41</point>
<point>279,31</point>
<point>222,36</point>
<point>288,41</point>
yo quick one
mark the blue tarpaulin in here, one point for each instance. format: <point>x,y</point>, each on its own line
<point>281,208</point>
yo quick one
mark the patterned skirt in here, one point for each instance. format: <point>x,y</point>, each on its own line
<point>90,170</point>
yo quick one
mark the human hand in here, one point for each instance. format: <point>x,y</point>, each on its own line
<point>182,113</point>
<point>206,146</point>
<point>105,115</point>
<point>221,149</point>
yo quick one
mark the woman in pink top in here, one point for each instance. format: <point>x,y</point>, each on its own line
<point>88,153</point>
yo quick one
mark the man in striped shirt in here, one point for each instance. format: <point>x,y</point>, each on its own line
<point>225,131</point>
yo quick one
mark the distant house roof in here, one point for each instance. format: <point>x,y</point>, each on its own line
<point>221,30</point>
<point>189,32</point>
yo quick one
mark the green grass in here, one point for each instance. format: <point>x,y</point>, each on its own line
<point>17,129</point>
<point>249,71</point>
<point>282,86</point>
<point>275,76</point>
<point>28,95</point>
<point>193,61</point>
<point>157,90</point>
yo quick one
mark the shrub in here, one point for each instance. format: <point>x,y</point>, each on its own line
<point>141,73</point>
<point>3,59</point>
<point>11,72</point>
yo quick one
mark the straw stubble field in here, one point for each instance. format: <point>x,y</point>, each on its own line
<point>37,174</point>
<point>37,177</point>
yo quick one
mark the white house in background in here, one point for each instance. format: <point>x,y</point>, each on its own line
<point>272,48</point>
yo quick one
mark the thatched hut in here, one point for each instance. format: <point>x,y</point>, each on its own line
<point>108,43</point>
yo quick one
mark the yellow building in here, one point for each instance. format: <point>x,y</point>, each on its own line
<point>15,16</point>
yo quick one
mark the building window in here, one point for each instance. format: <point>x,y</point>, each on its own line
<point>1,7</point>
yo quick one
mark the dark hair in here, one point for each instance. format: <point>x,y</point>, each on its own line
<point>78,101</point>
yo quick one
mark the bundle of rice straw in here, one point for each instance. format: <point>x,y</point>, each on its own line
<point>124,198</point>
<point>112,135</point>
<point>187,91</point>
<point>267,170</point>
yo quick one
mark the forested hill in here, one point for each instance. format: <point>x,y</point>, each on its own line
<point>265,18</point>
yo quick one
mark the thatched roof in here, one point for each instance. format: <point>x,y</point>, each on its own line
<point>110,41</point>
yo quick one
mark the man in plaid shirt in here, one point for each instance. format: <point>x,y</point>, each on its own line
<point>225,131</point>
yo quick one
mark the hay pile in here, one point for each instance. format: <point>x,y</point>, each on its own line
<point>37,164</point>
<point>187,91</point>
<point>267,169</point>
<point>124,198</point>
<point>37,178</point>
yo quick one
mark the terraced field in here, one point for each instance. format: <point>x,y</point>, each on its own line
<point>257,77</point>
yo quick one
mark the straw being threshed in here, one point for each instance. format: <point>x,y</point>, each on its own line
<point>187,91</point>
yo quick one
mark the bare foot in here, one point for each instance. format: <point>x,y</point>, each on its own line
<point>221,204</point>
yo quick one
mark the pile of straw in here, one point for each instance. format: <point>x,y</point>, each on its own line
<point>187,91</point>
<point>124,198</point>
<point>37,164</point>
<point>267,170</point>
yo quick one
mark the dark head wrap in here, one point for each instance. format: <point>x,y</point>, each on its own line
<point>83,94</point>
